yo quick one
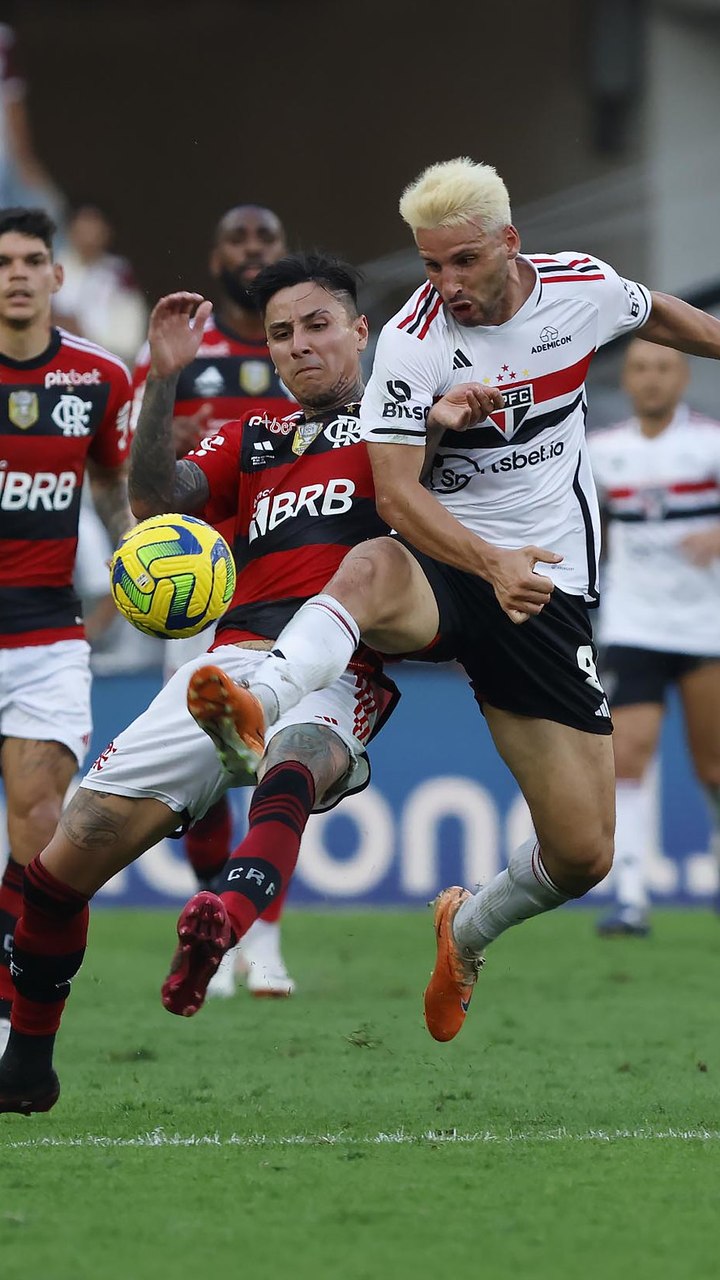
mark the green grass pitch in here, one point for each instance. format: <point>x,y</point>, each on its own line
<point>572,1129</point>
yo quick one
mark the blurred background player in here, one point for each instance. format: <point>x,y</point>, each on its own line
<point>23,177</point>
<point>232,375</point>
<point>64,407</point>
<point>100,299</point>
<point>658,477</point>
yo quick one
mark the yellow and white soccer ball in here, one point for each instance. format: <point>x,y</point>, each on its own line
<point>172,575</point>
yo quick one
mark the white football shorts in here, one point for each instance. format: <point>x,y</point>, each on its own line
<point>177,652</point>
<point>164,755</point>
<point>45,694</point>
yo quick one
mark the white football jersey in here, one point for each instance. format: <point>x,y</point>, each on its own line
<point>655,491</point>
<point>522,476</point>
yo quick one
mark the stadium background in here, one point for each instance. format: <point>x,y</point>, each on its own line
<point>603,122</point>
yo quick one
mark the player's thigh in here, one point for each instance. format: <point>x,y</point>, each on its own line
<point>384,587</point>
<point>700,694</point>
<point>36,777</point>
<point>568,779</point>
<point>635,738</point>
<point>99,834</point>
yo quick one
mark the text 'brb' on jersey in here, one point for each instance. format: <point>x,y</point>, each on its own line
<point>68,404</point>
<point>301,492</point>
<point>522,476</point>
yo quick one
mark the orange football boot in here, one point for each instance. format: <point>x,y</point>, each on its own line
<point>448,993</point>
<point>229,714</point>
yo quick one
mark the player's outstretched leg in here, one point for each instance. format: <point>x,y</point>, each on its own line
<point>230,715</point>
<point>448,993</point>
<point>253,879</point>
<point>204,935</point>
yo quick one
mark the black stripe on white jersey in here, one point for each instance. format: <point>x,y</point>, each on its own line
<point>417,322</point>
<point>492,437</point>
<point>397,431</point>
<point>687,513</point>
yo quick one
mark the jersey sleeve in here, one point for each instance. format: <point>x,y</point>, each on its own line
<point>622,305</point>
<point>406,380</point>
<point>111,445</point>
<point>218,457</point>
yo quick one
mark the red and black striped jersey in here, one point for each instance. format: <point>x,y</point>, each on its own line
<point>68,404</point>
<point>234,377</point>
<point>300,491</point>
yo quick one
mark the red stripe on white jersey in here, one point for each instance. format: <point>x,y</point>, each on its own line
<point>693,486</point>
<point>573,279</point>
<point>430,317</point>
<point>424,292</point>
<point>561,383</point>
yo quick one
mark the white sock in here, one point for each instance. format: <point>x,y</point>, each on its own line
<point>631,834</point>
<point>523,890</point>
<point>316,646</point>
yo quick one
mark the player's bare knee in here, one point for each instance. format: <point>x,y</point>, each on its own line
<point>373,581</point>
<point>319,749</point>
<point>579,868</point>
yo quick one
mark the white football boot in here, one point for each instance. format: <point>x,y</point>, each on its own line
<point>223,981</point>
<point>260,951</point>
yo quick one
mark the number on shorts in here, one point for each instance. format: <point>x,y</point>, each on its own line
<point>586,663</point>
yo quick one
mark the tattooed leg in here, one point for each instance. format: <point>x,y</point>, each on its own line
<point>99,834</point>
<point>320,750</point>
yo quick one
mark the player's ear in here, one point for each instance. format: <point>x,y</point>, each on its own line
<point>362,331</point>
<point>59,276</point>
<point>512,241</point>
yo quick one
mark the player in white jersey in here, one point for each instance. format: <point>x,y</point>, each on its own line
<point>524,331</point>
<point>658,477</point>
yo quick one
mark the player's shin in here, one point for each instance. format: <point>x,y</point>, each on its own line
<point>310,653</point>
<point>259,870</point>
<point>48,949</point>
<point>10,908</point>
<point>523,890</point>
<point>632,807</point>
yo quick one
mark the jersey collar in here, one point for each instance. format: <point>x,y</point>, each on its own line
<point>37,362</point>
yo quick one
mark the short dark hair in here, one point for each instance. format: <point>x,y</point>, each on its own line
<point>28,222</point>
<point>338,277</point>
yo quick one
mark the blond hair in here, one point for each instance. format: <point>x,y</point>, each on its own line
<point>456,191</point>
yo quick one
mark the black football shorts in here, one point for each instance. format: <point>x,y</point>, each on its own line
<point>634,675</point>
<point>544,668</point>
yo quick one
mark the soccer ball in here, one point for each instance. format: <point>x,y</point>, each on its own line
<point>172,575</point>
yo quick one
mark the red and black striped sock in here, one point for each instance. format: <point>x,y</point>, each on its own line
<point>11,887</point>
<point>259,870</point>
<point>207,843</point>
<point>48,949</point>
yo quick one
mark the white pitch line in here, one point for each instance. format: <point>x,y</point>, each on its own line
<point>432,1137</point>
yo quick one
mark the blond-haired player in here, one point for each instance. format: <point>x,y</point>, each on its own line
<point>509,339</point>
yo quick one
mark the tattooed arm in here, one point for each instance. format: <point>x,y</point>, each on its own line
<point>109,488</point>
<point>157,482</point>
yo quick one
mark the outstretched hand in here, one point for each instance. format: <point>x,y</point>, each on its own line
<point>175,332</point>
<point>521,593</point>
